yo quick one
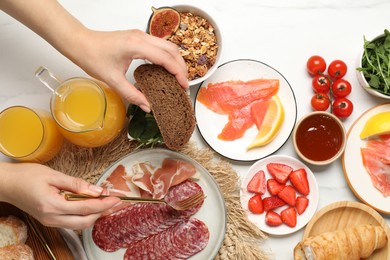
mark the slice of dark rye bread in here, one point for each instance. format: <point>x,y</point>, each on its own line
<point>169,102</point>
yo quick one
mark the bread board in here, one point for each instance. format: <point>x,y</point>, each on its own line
<point>345,214</point>
<point>53,237</point>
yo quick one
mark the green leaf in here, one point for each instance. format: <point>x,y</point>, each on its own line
<point>143,126</point>
<point>376,63</point>
<point>137,124</point>
<point>131,110</point>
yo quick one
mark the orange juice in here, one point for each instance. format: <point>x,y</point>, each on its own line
<point>89,112</point>
<point>29,135</point>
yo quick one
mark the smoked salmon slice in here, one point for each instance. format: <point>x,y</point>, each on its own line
<point>258,110</point>
<point>242,119</point>
<point>376,159</point>
<point>239,121</point>
<point>225,97</point>
<point>246,103</point>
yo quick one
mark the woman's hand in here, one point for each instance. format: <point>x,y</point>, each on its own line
<point>36,189</point>
<point>108,55</point>
<point>103,55</point>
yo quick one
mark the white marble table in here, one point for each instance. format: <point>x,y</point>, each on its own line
<point>282,34</point>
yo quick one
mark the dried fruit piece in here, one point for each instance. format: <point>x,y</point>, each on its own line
<point>164,22</point>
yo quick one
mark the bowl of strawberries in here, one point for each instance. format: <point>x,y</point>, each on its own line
<point>279,194</point>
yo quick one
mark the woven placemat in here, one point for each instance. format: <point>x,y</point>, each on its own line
<point>242,239</point>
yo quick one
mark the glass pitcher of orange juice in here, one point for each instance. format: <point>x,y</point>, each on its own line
<point>89,113</point>
<point>29,134</point>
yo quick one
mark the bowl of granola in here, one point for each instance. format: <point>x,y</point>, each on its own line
<point>199,39</point>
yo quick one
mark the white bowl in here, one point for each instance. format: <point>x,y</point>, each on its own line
<point>211,19</point>
<point>362,80</point>
<point>316,145</point>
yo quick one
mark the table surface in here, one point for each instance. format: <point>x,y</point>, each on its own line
<point>282,34</point>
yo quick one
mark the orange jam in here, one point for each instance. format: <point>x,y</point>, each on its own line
<point>319,137</point>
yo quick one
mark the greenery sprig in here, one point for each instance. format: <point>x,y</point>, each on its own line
<point>376,63</point>
<point>143,127</point>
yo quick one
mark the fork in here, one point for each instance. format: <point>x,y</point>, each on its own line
<point>185,204</point>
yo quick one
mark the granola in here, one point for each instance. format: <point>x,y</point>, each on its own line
<point>198,44</point>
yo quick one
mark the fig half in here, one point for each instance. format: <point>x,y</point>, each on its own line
<point>164,22</point>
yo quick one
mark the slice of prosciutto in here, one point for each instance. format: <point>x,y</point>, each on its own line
<point>117,183</point>
<point>142,175</point>
<point>157,181</point>
<point>376,159</point>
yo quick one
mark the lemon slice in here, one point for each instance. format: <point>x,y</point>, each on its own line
<point>376,125</point>
<point>272,122</point>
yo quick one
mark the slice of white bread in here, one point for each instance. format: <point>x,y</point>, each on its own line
<point>171,105</point>
<point>12,231</point>
<point>16,252</point>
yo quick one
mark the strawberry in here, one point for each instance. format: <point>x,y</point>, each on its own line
<point>274,187</point>
<point>273,219</point>
<point>257,183</point>
<point>288,195</point>
<point>279,171</point>
<point>298,179</point>
<point>272,202</point>
<point>255,204</point>
<point>301,204</point>
<point>289,216</point>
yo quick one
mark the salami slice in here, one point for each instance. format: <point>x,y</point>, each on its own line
<point>141,220</point>
<point>181,241</point>
<point>183,191</point>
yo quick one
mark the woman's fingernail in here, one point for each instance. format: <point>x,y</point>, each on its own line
<point>96,189</point>
<point>145,108</point>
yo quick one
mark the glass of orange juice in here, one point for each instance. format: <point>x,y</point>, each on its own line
<point>29,134</point>
<point>89,113</point>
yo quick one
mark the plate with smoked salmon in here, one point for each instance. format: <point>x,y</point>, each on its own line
<point>366,162</point>
<point>157,230</point>
<point>246,110</point>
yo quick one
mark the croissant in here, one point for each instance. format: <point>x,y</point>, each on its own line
<point>350,243</point>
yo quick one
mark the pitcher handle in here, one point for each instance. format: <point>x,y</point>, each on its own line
<point>48,79</point>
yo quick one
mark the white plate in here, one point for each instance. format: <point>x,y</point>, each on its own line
<point>259,220</point>
<point>210,124</point>
<point>354,171</point>
<point>74,243</point>
<point>212,213</point>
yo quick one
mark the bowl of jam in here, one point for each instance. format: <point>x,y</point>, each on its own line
<point>319,138</point>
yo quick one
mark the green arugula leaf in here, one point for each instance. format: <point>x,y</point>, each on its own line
<point>143,126</point>
<point>376,63</point>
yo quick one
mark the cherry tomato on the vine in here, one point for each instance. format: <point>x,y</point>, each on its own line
<point>320,102</point>
<point>341,88</point>
<point>315,65</point>
<point>337,69</point>
<point>321,84</point>
<point>342,107</point>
